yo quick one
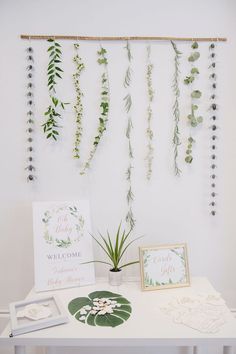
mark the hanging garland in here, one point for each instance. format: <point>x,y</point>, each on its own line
<point>30,168</point>
<point>213,108</point>
<point>101,308</point>
<point>149,156</point>
<point>50,127</point>
<point>78,105</point>
<point>128,103</point>
<point>176,112</point>
<point>104,105</point>
<point>195,95</point>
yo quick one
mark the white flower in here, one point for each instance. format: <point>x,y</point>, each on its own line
<point>83,311</point>
<point>118,305</point>
<point>92,312</point>
<point>87,307</point>
<point>113,302</point>
<point>82,318</point>
<point>102,312</point>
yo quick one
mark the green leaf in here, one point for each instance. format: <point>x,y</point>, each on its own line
<point>195,45</point>
<point>50,48</point>
<point>194,71</point>
<point>188,159</point>
<point>120,314</point>
<point>103,294</point>
<point>196,94</point>
<point>194,56</point>
<point>59,69</point>
<point>76,304</point>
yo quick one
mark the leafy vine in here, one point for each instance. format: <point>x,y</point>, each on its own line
<point>149,156</point>
<point>176,112</point>
<point>78,105</point>
<point>194,120</point>
<point>128,104</point>
<point>104,105</point>
<point>50,127</point>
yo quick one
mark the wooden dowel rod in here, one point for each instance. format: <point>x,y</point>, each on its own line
<point>131,38</point>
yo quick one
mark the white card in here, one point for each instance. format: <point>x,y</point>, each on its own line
<point>62,243</point>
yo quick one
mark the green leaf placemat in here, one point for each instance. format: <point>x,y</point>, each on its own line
<point>101,308</point>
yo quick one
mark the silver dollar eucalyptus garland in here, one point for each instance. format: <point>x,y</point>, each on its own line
<point>128,103</point>
<point>30,168</point>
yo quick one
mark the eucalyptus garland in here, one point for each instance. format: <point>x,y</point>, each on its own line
<point>78,105</point>
<point>128,104</point>
<point>176,111</point>
<point>150,149</point>
<point>30,168</point>
<point>193,119</point>
<point>213,117</point>
<point>104,105</point>
<point>50,127</point>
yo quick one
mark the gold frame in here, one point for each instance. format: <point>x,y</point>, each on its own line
<point>168,286</point>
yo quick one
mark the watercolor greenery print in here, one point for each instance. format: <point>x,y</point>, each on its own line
<point>101,308</point>
<point>176,111</point>
<point>104,106</point>
<point>49,218</point>
<point>128,104</point>
<point>78,107</point>
<point>50,127</point>
<point>149,131</point>
<point>193,118</point>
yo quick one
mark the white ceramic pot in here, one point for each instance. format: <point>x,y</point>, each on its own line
<point>115,278</point>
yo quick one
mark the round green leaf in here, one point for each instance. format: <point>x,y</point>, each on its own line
<point>196,94</point>
<point>188,159</point>
<point>84,309</point>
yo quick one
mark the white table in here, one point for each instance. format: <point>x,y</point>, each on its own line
<point>147,325</point>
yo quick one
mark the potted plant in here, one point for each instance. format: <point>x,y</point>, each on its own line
<point>115,251</point>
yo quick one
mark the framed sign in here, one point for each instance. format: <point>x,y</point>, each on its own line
<point>31,315</point>
<point>62,242</point>
<point>164,267</point>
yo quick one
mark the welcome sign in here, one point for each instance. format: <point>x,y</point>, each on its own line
<point>164,267</point>
<point>62,244</point>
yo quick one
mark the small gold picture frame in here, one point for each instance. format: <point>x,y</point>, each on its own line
<point>164,266</point>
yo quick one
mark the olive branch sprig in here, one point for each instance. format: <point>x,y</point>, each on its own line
<point>78,107</point>
<point>50,127</point>
<point>127,105</point>
<point>104,106</point>
<point>176,111</point>
<point>149,131</point>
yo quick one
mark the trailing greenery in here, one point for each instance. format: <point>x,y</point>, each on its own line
<point>50,127</point>
<point>193,119</point>
<point>78,105</point>
<point>104,106</point>
<point>176,111</point>
<point>189,157</point>
<point>115,250</point>
<point>128,104</point>
<point>150,149</point>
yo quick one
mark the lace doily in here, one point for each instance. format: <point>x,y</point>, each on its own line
<point>203,312</point>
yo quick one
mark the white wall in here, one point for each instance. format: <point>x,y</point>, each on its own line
<point>168,210</point>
